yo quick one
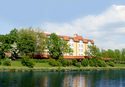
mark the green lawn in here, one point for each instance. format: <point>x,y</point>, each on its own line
<point>18,64</point>
<point>119,65</point>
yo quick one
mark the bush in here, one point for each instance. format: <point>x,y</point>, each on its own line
<point>26,61</point>
<point>85,62</point>
<point>110,63</point>
<point>97,62</point>
<point>101,63</point>
<point>7,62</point>
<point>78,64</point>
<point>0,62</point>
<point>65,62</point>
<point>74,62</point>
<point>93,62</point>
<point>53,62</point>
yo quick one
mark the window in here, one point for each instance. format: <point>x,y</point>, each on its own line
<point>80,45</point>
<point>89,44</point>
<point>71,43</point>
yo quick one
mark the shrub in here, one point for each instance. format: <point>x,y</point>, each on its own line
<point>65,62</point>
<point>85,62</point>
<point>101,63</point>
<point>0,62</point>
<point>26,61</point>
<point>7,62</point>
<point>92,62</point>
<point>97,62</point>
<point>110,63</point>
<point>70,62</point>
<point>78,64</point>
<point>53,62</point>
<point>74,62</point>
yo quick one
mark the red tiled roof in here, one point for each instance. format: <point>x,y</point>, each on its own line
<point>66,38</point>
<point>76,38</point>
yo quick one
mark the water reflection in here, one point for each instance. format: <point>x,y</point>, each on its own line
<point>63,79</point>
<point>74,81</point>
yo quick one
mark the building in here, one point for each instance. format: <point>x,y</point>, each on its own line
<point>78,44</point>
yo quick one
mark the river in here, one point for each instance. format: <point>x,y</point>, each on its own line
<point>103,78</point>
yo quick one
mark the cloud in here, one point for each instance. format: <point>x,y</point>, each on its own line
<point>106,28</point>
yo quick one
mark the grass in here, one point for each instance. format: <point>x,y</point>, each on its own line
<point>119,65</point>
<point>16,63</point>
<point>44,66</point>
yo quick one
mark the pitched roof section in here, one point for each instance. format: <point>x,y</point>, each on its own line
<point>75,38</point>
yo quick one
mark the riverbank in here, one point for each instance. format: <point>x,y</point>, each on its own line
<point>65,69</point>
<point>44,66</point>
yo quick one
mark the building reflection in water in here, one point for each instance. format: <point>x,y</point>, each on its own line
<point>44,82</point>
<point>75,81</point>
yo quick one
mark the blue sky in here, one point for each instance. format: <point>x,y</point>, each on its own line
<point>95,19</point>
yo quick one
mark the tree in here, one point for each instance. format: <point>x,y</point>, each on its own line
<point>93,52</point>
<point>40,42</point>
<point>7,40</point>
<point>123,54</point>
<point>30,41</point>
<point>57,46</point>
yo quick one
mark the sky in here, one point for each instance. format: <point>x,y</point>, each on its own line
<point>100,20</point>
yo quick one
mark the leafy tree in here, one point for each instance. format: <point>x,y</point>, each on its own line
<point>117,55</point>
<point>7,40</point>
<point>93,51</point>
<point>40,42</point>
<point>30,41</point>
<point>13,35</point>
<point>26,41</point>
<point>57,46</point>
<point>123,54</point>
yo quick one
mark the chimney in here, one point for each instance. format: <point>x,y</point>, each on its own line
<point>75,35</point>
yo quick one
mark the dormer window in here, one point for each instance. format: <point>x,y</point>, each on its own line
<point>89,43</point>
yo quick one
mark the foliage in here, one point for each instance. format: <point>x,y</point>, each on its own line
<point>7,62</point>
<point>101,63</point>
<point>93,52</point>
<point>31,41</point>
<point>92,62</point>
<point>65,62</point>
<point>78,64</point>
<point>0,62</point>
<point>110,63</point>
<point>26,61</point>
<point>97,62</point>
<point>57,46</point>
<point>26,41</point>
<point>74,61</point>
<point>2,55</point>
<point>54,62</point>
<point>41,60</point>
<point>7,40</point>
<point>40,41</point>
<point>85,62</point>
